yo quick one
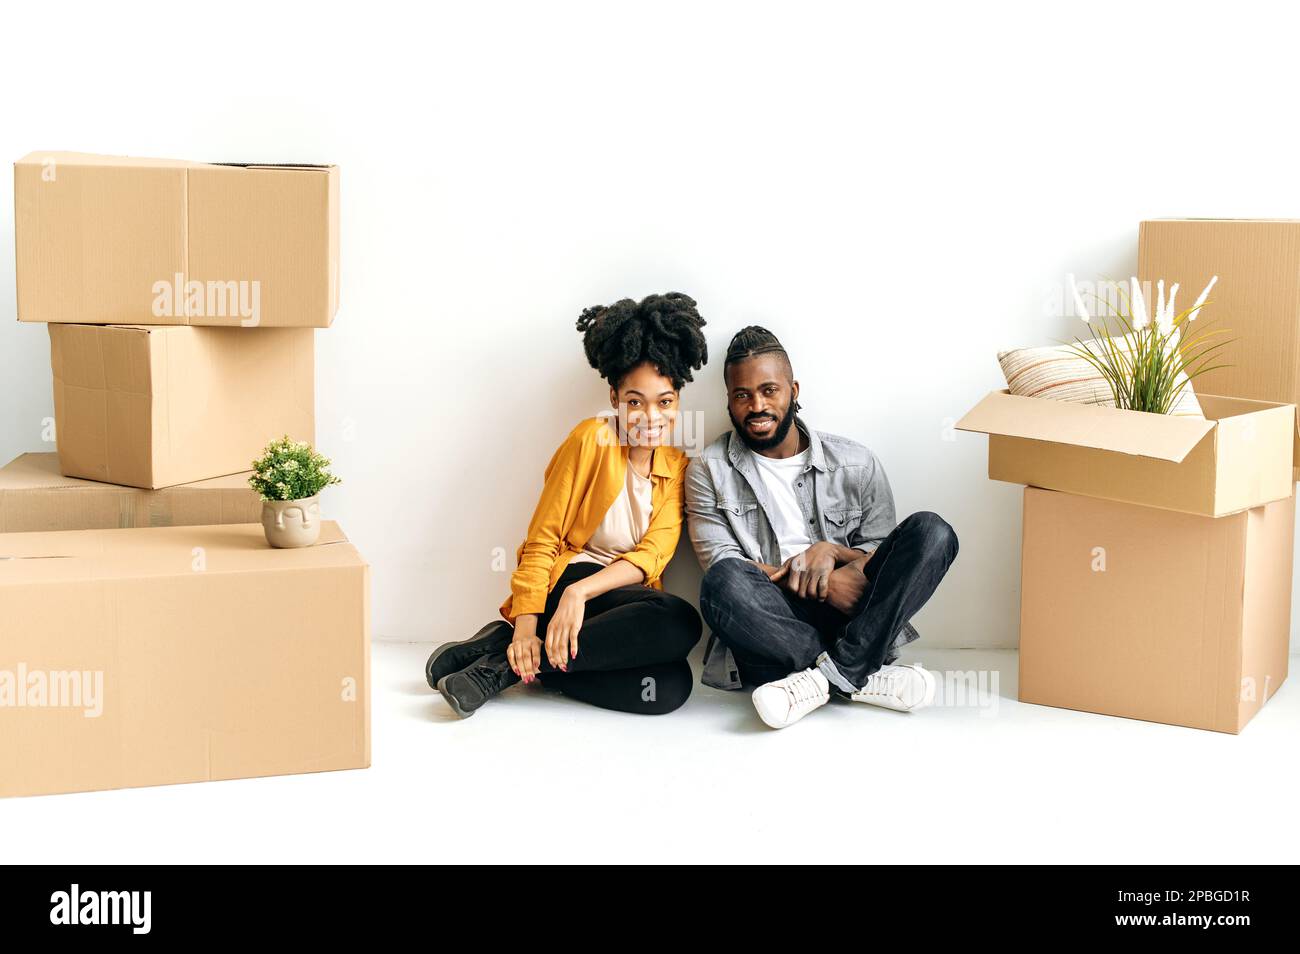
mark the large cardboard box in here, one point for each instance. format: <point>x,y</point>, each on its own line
<point>112,240</point>
<point>152,407</point>
<point>1239,456</point>
<point>35,496</point>
<point>179,654</point>
<point>1150,614</point>
<point>1256,299</point>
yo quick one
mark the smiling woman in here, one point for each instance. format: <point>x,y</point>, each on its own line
<point>587,613</point>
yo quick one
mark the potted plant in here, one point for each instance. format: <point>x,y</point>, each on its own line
<point>289,476</point>
<point>1152,359</point>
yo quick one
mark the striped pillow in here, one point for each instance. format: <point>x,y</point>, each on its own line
<point>1060,374</point>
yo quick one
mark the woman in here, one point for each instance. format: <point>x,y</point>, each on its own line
<point>587,613</point>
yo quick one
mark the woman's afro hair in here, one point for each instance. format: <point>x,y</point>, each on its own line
<point>661,329</point>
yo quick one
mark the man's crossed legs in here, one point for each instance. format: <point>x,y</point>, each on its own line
<point>797,650</point>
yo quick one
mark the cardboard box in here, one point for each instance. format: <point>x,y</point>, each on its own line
<point>152,407</point>
<point>1256,299</point>
<point>1239,456</point>
<point>112,240</point>
<point>1149,614</point>
<point>35,496</point>
<point>179,654</point>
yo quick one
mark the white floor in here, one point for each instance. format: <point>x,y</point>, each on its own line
<point>536,777</point>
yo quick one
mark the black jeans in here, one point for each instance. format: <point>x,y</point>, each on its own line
<point>632,647</point>
<point>772,633</point>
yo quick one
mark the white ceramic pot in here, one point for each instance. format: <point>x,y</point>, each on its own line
<point>291,523</point>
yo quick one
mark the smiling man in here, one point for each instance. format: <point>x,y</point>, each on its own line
<point>809,583</point>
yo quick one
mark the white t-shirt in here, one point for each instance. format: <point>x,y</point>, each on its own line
<point>624,523</point>
<point>779,477</point>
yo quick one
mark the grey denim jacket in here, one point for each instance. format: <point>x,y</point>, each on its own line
<point>843,493</point>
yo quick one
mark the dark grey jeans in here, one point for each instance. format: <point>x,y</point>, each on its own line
<point>772,633</point>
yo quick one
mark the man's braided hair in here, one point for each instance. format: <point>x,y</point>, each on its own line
<point>753,340</point>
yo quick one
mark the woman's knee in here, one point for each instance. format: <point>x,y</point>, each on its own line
<point>667,688</point>
<point>681,622</point>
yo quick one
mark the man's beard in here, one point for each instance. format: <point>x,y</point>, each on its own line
<point>772,440</point>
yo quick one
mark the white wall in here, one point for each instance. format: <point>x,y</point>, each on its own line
<point>896,192</point>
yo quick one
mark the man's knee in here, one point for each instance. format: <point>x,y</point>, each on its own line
<point>730,578</point>
<point>727,585</point>
<point>936,535</point>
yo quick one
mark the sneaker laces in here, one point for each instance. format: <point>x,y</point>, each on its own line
<point>489,674</point>
<point>803,688</point>
<point>882,683</point>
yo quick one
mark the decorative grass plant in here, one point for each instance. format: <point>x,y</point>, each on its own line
<point>1148,360</point>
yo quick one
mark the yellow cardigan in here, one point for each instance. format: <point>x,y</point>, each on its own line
<point>586,474</point>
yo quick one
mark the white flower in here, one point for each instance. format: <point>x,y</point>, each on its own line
<point>1196,308</point>
<point>1165,310</point>
<point>1139,306</point>
<point>1078,301</point>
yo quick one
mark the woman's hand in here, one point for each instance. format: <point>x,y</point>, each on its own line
<point>525,650</point>
<point>562,630</point>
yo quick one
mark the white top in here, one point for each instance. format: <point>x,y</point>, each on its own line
<point>780,476</point>
<point>624,523</point>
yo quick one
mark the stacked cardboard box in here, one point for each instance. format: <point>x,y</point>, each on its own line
<point>179,654</point>
<point>1157,551</point>
<point>156,637</point>
<point>181,299</point>
<point>34,495</point>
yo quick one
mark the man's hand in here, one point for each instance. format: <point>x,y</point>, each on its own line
<point>807,574</point>
<point>847,586</point>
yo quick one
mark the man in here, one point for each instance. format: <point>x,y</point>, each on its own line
<point>809,585</point>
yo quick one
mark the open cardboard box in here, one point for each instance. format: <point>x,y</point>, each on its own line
<point>1256,300</point>
<point>1240,456</point>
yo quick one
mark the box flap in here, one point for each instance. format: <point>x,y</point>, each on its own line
<point>70,158</point>
<point>1158,436</point>
<point>84,159</point>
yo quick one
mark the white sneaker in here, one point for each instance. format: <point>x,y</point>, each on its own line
<point>788,700</point>
<point>898,687</point>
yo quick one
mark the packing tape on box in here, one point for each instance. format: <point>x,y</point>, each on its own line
<point>156,512</point>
